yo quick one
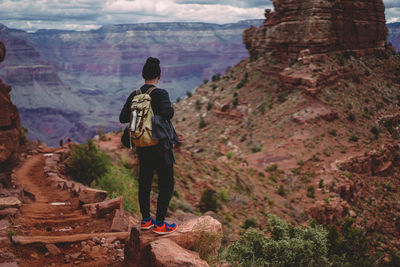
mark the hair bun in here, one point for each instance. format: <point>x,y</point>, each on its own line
<point>153,61</point>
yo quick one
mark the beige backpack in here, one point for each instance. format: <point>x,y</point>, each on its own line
<point>141,120</point>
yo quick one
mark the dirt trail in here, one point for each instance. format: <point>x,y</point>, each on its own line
<point>43,215</point>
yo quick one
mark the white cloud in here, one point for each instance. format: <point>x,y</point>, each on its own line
<point>89,14</point>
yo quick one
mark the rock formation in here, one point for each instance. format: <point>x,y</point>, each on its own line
<point>321,26</point>
<point>176,249</point>
<point>10,129</point>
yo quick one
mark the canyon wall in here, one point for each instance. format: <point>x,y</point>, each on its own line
<point>10,130</point>
<point>319,25</point>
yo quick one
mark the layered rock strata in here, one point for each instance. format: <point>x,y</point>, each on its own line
<point>321,26</point>
<point>10,130</point>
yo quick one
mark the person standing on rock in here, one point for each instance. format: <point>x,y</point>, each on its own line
<point>154,157</point>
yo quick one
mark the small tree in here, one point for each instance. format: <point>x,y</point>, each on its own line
<point>209,201</point>
<point>87,163</point>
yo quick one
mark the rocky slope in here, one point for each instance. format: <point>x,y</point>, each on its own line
<point>10,130</point>
<point>68,83</point>
<point>317,138</point>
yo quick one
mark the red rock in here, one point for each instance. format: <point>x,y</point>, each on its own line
<point>321,26</point>
<point>9,202</point>
<point>10,133</point>
<point>166,253</point>
<point>53,249</point>
<point>120,221</point>
<point>326,213</point>
<point>90,195</point>
<point>103,208</point>
<point>186,236</point>
<point>6,213</point>
<point>374,163</point>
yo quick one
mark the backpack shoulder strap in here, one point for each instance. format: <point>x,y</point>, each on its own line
<point>138,92</point>
<point>151,89</point>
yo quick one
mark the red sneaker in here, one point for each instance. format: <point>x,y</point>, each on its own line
<point>147,224</point>
<point>164,228</point>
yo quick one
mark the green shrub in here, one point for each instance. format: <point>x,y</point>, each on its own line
<point>209,201</point>
<point>198,105</point>
<point>250,223</point>
<point>117,182</point>
<point>216,77</point>
<point>243,82</point>
<point>284,245</point>
<point>351,117</point>
<point>256,149</point>
<point>87,164</point>
<point>189,94</point>
<point>271,168</point>
<point>281,191</point>
<point>282,96</point>
<point>375,131</point>
<point>202,123</point>
<point>349,246</point>
<point>235,101</point>
<point>311,191</point>
<point>229,155</point>
<point>205,81</point>
<point>353,138</point>
<point>209,106</point>
<point>178,100</point>
<point>223,195</point>
<point>23,139</point>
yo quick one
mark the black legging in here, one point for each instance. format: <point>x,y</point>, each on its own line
<point>150,159</point>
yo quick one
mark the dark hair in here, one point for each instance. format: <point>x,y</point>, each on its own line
<point>151,69</point>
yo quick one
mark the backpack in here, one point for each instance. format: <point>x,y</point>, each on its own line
<point>140,125</point>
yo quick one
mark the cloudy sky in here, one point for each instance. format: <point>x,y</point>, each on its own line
<point>89,14</point>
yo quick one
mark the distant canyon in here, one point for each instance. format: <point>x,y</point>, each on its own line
<point>72,84</point>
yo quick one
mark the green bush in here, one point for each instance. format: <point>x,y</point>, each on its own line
<point>87,164</point>
<point>198,105</point>
<point>351,117</point>
<point>209,201</point>
<point>202,123</point>
<point>117,182</point>
<point>281,191</point>
<point>250,223</point>
<point>311,191</point>
<point>23,139</point>
<point>189,94</point>
<point>349,246</point>
<point>271,168</point>
<point>243,82</point>
<point>284,245</point>
<point>375,131</point>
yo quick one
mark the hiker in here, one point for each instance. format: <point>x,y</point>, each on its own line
<point>158,157</point>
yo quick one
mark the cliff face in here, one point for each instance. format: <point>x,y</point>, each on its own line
<point>319,25</point>
<point>10,129</point>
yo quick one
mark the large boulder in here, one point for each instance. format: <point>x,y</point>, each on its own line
<point>166,253</point>
<point>321,26</point>
<point>144,247</point>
